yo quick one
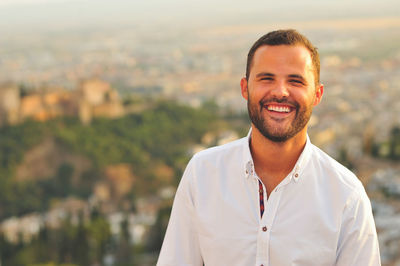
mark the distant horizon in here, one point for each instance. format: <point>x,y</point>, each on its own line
<point>31,15</point>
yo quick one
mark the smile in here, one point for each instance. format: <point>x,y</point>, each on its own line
<point>279,109</point>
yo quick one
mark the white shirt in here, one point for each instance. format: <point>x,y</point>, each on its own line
<point>318,215</point>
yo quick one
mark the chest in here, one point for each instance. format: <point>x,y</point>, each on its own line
<point>295,229</point>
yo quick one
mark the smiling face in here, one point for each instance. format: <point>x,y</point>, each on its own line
<point>280,91</point>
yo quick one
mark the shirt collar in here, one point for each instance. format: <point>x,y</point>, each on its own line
<point>247,159</point>
<point>295,174</point>
<point>302,161</point>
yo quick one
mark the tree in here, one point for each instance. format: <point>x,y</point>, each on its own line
<point>124,248</point>
<point>157,232</point>
<point>394,141</point>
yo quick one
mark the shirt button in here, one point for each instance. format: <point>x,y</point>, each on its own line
<point>296,175</point>
<point>264,228</point>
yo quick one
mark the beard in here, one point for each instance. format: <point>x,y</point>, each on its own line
<point>274,133</point>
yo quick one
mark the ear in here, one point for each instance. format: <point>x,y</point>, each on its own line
<point>318,94</point>
<point>244,88</point>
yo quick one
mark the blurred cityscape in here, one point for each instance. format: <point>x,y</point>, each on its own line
<point>75,102</point>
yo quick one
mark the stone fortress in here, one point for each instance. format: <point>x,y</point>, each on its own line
<point>92,98</point>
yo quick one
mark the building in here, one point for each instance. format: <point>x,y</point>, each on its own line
<point>93,98</point>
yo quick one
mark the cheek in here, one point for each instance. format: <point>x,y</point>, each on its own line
<point>311,101</point>
<point>258,93</point>
<point>307,97</point>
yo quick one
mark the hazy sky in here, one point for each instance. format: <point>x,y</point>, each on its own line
<point>33,14</point>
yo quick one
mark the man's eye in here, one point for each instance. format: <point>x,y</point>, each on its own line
<point>295,81</point>
<point>266,78</point>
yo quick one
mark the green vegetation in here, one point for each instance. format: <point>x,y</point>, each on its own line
<point>159,134</point>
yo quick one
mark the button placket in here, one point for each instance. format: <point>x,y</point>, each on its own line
<point>263,235</point>
<point>266,224</point>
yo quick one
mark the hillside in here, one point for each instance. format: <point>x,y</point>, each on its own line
<point>62,157</point>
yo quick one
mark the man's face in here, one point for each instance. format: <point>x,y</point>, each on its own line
<point>280,91</point>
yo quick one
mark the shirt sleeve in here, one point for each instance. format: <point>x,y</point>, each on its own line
<point>181,246</point>
<point>358,243</point>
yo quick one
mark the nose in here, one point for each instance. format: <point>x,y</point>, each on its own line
<point>280,90</point>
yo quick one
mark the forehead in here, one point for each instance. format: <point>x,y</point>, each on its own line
<point>282,58</point>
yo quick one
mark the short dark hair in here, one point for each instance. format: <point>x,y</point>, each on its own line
<point>285,37</point>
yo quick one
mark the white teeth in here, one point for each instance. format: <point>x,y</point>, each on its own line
<point>280,109</point>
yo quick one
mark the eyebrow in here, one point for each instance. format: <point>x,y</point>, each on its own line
<point>264,74</point>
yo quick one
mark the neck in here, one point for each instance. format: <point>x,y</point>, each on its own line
<point>273,161</point>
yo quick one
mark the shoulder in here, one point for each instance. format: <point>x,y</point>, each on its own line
<point>232,150</point>
<point>217,163</point>
<point>210,168</point>
<point>335,172</point>
<point>339,185</point>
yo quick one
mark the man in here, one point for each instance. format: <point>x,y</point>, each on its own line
<point>272,198</point>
